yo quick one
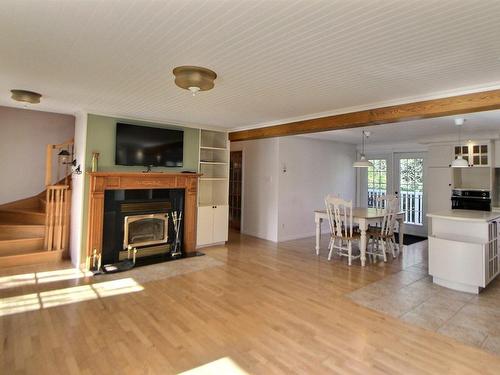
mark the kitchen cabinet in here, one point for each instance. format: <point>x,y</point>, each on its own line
<point>497,154</point>
<point>476,154</point>
<point>439,156</point>
<point>464,249</point>
<point>439,186</point>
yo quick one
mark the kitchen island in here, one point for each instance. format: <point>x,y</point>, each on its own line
<point>463,249</point>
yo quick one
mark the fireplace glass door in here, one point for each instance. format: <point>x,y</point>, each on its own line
<point>145,230</point>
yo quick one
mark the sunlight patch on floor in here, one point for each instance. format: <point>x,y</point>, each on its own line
<point>222,366</point>
<point>14,281</point>
<point>64,296</point>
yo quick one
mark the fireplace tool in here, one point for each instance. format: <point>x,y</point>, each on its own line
<point>176,219</point>
<point>93,262</point>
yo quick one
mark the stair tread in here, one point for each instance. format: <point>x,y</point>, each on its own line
<point>6,226</point>
<point>22,239</point>
<point>23,211</point>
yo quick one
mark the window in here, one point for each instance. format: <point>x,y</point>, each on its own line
<point>377,180</point>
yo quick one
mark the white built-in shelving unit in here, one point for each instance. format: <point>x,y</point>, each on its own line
<point>213,189</point>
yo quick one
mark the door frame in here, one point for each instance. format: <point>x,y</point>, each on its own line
<point>417,230</point>
<point>232,152</point>
<point>392,158</point>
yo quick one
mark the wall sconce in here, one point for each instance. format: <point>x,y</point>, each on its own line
<point>63,156</point>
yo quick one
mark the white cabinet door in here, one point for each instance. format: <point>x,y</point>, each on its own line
<point>438,182</point>
<point>439,156</point>
<point>205,228</point>
<point>221,219</point>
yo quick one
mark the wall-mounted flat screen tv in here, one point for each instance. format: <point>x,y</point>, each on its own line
<point>147,146</point>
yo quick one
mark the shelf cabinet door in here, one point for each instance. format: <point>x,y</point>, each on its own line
<point>475,154</point>
<point>220,223</point>
<point>205,228</point>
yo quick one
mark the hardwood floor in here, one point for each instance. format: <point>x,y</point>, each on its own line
<point>268,309</point>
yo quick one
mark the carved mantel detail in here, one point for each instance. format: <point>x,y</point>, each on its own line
<point>101,181</point>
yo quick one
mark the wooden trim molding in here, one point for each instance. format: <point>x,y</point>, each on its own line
<point>454,105</point>
<point>102,181</point>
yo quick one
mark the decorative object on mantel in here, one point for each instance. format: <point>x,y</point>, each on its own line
<point>194,78</point>
<point>95,161</point>
<point>459,162</point>
<point>362,162</point>
<point>26,96</point>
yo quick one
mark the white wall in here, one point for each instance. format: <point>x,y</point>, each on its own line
<point>24,135</point>
<point>277,205</point>
<point>314,168</point>
<point>260,187</point>
<point>78,190</point>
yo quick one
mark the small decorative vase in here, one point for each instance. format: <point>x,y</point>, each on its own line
<point>95,161</point>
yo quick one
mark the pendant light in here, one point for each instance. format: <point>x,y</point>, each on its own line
<point>362,162</point>
<point>459,161</point>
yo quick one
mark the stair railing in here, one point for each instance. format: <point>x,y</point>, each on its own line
<point>57,217</point>
<point>58,202</point>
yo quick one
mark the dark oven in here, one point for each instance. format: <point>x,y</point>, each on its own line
<point>471,199</point>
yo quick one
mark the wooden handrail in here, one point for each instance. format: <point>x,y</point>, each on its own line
<point>49,159</point>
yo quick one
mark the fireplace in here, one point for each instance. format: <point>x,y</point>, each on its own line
<point>105,237</point>
<point>142,219</point>
<point>145,230</point>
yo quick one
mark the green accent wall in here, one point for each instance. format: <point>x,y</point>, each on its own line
<point>101,137</point>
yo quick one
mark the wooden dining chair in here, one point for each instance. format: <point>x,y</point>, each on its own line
<point>342,231</point>
<point>382,201</point>
<point>382,239</point>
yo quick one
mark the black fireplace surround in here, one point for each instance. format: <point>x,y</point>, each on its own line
<point>119,204</point>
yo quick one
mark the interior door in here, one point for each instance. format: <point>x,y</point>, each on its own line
<point>409,185</point>
<point>235,180</point>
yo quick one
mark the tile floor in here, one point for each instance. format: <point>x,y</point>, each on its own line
<point>411,296</point>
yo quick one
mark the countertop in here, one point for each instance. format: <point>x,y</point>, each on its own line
<point>465,215</point>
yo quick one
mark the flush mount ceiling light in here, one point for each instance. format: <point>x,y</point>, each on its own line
<point>194,78</point>
<point>26,96</point>
<point>362,162</point>
<point>459,161</point>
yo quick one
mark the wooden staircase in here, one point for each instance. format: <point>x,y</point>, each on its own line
<point>36,229</point>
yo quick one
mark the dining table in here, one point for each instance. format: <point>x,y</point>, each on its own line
<point>363,217</point>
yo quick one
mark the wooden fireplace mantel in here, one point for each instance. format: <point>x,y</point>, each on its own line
<point>101,181</point>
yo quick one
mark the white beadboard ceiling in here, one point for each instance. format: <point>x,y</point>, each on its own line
<point>276,60</point>
<point>479,125</point>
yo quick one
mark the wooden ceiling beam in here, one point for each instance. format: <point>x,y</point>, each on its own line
<point>453,105</point>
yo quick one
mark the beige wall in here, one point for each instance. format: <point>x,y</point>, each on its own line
<point>24,135</point>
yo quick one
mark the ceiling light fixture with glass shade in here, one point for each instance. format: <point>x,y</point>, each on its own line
<point>194,78</point>
<point>459,161</point>
<point>362,162</point>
